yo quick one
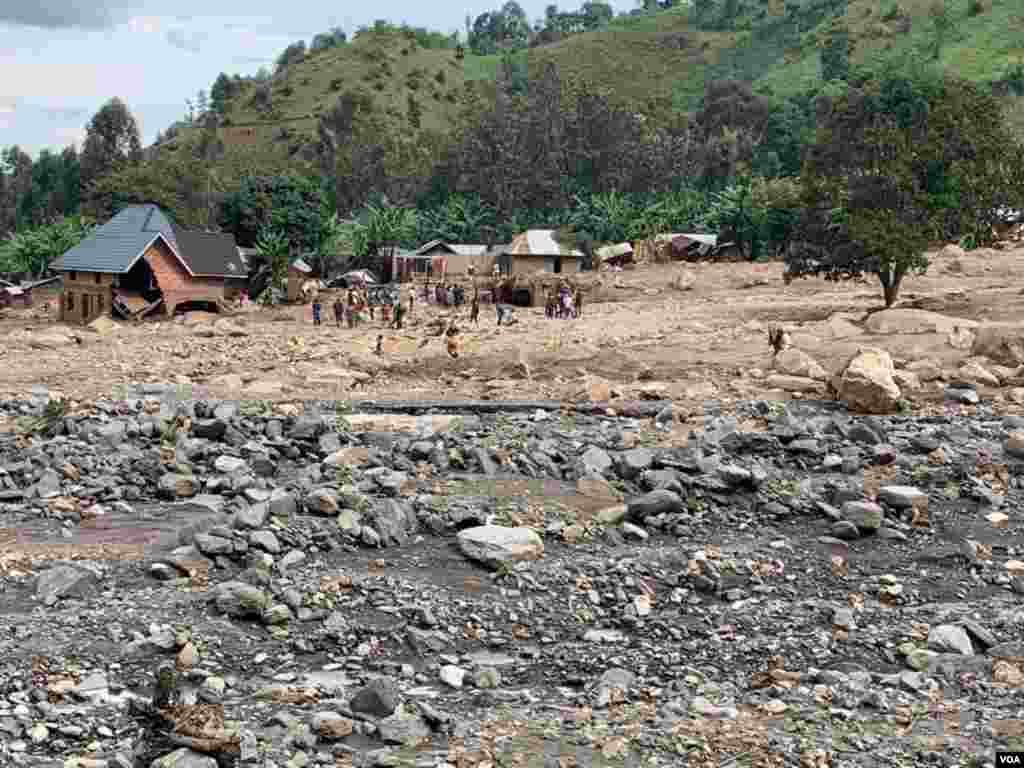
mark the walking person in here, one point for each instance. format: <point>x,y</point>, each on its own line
<point>339,310</point>
<point>316,311</point>
<point>578,302</point>
<point>474,310</point>
<point>397,310</point>
<point>412,299</point>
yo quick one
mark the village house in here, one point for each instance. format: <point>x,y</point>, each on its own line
<point>140,260</point>
<point>458,258</point>
<point>536,250</point>
<point>299,272</point>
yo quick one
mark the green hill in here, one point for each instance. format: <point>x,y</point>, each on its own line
<point>653,61</point>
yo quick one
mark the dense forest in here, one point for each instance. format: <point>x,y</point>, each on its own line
<point>536,146</point>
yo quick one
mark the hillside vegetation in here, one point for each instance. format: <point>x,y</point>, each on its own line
<point>653,62</point>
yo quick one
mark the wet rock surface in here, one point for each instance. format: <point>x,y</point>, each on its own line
<point>194,583</point>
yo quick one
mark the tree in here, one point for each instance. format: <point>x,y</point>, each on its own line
<point>898,163</point>
<point>220,94</point>
<point>202,103</point>
<point>111,140</point>
<point>414,112</point>
<point>31,251</point>
<point>943,22</point>
<point>835,53</point>
<point>293,53</point>
<point>288,204</point>
<point>274,249</point>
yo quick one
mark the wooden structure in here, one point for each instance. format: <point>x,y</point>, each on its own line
<point>459,258</point>
<point>142,253</point>
<point>536,250</point>
<point>298,273</point>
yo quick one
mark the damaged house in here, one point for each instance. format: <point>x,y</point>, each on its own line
<point>141,262</point>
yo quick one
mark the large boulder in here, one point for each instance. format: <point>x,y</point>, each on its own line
<point>866,384</point>
<point>1002,343</point>
<point>912,321</point>
<point>793,362</point>
<point>496,545</point>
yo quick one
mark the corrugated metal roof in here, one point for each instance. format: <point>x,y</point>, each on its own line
<point>110,253</point>
<point>540,242</point>
<point>702,239</point>
<point>210,254</point>
<point>467,249</point>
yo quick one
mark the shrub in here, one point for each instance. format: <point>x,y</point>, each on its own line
<point>975,8</point>
<point>440,77</point>
<point>336,84</point>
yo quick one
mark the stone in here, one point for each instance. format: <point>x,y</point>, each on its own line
<point>240,600</point>
<point>914,321</point>
<point>947,638</point>
<point>1003,344</point>
<point>866,384</point>
<point>212,546</point>
<point>925,370</point>
<point>452,675</point>
<point>184,758</point>
<point>229,464</point>
<point>379,698</point>
<point>265,540</point>
<point>178,486</point>
<point>331,725</point>
<point>65,581</point>
<point>793,383</point>
<point>961,394</point>
<point>209,429</point>
<point>975,373</point>
<point>654,503</point>
<point>496,545</point>
<point>634,461</point>
<point>794,362</point>
<point>612,687</point>
<point>866,515</point>
<point>1014,445</point>
<point>322,501</point>
<point>252,517</point>
<point>901,496</point>
<point>595,461</point>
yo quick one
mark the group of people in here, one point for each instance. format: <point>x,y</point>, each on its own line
<point>357,305</point>
<point>564,303</point>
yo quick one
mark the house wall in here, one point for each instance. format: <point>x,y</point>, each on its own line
<point>174,281</point>
<point>459,263</point>
<point>86,296</point>
<point>526,264</point>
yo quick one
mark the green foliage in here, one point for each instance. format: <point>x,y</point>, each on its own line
<point>31,251</point>
<point>290,204</point>
<point>734,216</point>
<point>884,178</point>
<point>47,422</point>
<point>274,249</point>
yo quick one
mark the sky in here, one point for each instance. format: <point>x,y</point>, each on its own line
<point>60,60</point>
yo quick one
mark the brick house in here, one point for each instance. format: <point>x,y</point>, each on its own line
<point>143,257</point>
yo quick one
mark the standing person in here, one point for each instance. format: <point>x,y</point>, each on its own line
<point>351,308</point>
<point>339,310</point>
<point>579,302</point>
<point>412,298</point>
<point>316,310</point>
<point>474,309</point>
<point>397,309</point>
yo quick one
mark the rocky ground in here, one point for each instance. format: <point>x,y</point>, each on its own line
<point>190,584</point>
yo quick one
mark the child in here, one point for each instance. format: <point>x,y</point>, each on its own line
<point>316,311</point>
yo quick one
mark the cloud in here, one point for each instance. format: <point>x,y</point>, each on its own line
<point>186,41</point>
<point>56,14</point>
<point>6,109</point>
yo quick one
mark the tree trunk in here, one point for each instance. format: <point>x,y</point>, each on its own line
<point>891,281</point>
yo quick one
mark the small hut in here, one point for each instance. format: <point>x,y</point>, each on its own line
<point>298,273</point>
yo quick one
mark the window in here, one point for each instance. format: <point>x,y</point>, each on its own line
<point>98,278</point>
<point>72,275</point>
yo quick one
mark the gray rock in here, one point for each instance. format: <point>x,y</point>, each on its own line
<point>252,517</point>
<point>265,540</point>
<point>633,462</point>
<point>595,461</point>
<point>229,464</point>
<point>307,428</point>
<point>658,502</point>
<point>951,639</point>
<point>65,581</point>
<point>48,484</point>
<point>496,545</point>
<point>213,545</point>
<point>616,678</point>
<point>846,530</point>
<point>394,521</point>
<point>901,496</point>
<point>982,636</point>
<point>282,504</point>
<point>958,395</point>
<point>403,728</point>
<point>178,486</point>
<point>209,429</point>
<point>379,698</point>
<point>184,758</point>
<point>238,599</point>
<point>866,515</point>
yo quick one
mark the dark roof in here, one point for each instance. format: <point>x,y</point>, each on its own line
<point>210,254</point>
<point>115,246</point>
